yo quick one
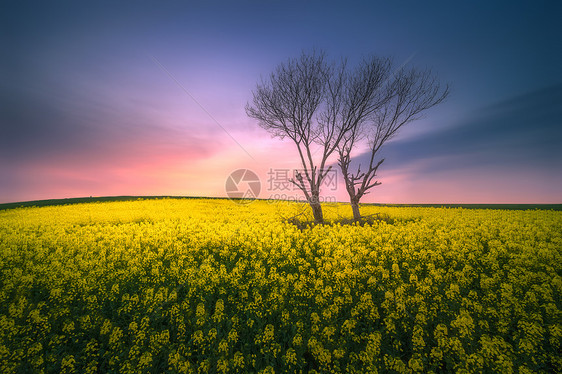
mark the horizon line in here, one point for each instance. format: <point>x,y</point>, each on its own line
<point>116,198</point>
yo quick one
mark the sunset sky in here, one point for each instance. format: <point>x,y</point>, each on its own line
<point>147,98</point>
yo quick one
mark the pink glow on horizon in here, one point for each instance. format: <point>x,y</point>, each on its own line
<point>199,166</point>
<point>404,186</point>
<point>181,172</point>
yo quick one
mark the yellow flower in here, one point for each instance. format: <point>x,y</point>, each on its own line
<point>238,360</point>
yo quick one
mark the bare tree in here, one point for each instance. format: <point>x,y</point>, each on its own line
<point>291,104</point>
<point>394,100</point>
<point>315,103</point>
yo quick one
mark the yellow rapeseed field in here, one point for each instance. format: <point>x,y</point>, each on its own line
<point>197,286</point>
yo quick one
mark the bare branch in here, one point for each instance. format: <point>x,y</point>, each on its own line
<point>339,109</point>
<point>376,115</point>
<point>291,103</point>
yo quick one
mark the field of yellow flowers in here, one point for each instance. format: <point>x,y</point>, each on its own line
<point>197,286</point>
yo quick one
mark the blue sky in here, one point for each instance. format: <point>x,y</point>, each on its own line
<point>88,110</point>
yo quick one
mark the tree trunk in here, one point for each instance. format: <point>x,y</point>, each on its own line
<point>355,208</point>
<point>317,212</point>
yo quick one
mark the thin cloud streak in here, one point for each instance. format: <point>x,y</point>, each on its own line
<point>198,103</point>
<point>517,139</point>
<point>526,128</point>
